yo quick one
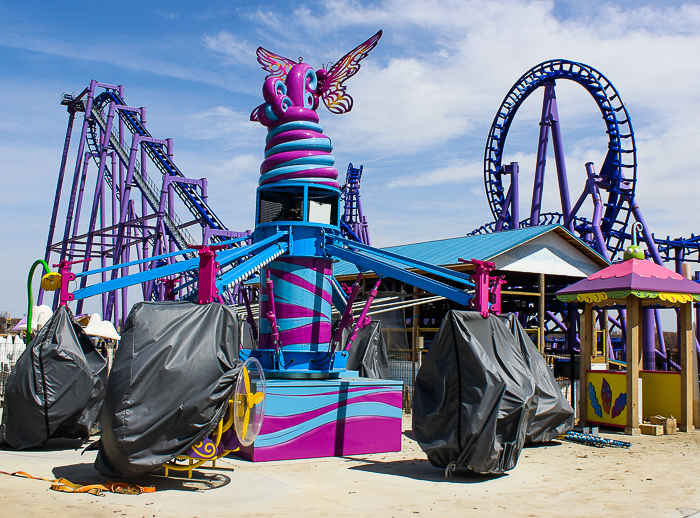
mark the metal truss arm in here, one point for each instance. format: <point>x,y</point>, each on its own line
<point>136,278</point>
<point>252,265</point>
<point>411,263</point>
<point>384,269</point>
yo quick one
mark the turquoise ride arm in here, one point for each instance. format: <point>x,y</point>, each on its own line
<point>136,278</point>
<point>224,258</point>
<point>368,258</point>
<point>251,265</point>
<point>411,263</point>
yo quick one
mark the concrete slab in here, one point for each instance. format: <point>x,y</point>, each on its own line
<point>654,478</point>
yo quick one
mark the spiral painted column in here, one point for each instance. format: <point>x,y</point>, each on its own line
<point>297,158</point>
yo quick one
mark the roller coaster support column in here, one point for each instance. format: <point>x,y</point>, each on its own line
<point>648,238</point>
<point>512,201</point>
<point>514,170</point>
<point>76,175</point>
<point>72,108</point>
<point>99,187</point>
<point>123,213</point>
<point>168,193</point>
<point>550,119</point>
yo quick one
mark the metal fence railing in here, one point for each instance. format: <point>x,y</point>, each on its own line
<point>402,368</point>
<point>11,348</point>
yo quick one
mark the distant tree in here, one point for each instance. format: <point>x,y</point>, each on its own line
<point>4,316</point>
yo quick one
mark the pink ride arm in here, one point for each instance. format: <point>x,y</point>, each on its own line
<point>271,313</point>
<point>364,319</point>
<point>347,320</point>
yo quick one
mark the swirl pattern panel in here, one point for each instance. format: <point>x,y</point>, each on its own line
<point>302,290</point>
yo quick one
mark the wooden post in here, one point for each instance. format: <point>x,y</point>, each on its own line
<point>687,349</point>
<point>540,313</point>
<point>587,343</point>
<point>606,336</point>
<point>634,362</point>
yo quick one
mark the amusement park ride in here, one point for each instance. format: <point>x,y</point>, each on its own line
<point>300,231</point>
<point>297,237</point>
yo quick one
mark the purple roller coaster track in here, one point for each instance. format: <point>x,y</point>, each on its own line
<point>127,217</point>
<point>611,190</point>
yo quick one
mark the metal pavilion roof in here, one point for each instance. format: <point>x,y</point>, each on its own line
<point>484,247</point>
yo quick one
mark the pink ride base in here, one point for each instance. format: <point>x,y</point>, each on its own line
<point>327,418</point>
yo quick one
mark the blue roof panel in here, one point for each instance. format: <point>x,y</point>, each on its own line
<point>444,252</point>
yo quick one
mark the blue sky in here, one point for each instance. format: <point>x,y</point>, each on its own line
<point>424,101</point>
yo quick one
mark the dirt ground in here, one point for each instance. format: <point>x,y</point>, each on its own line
<point>657,477</point>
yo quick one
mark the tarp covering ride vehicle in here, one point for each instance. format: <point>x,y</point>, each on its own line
<point>56,388</point>
<point>368,354</point>
<point>172,377</point>
<point>477,395</point>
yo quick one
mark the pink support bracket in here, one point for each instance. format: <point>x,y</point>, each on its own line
<point>169,285</point>
<point>485,286</point>
<point>207,292</point>
<point>363,320</point>
<point>495,293</point>
<point>66,277</point>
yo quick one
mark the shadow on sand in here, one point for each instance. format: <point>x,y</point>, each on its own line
<point>85,473</point>
<point>421,469</point>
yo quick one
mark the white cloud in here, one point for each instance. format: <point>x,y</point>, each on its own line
<point>235,49</point>
<point>452,174</point>
<point>433,85</point>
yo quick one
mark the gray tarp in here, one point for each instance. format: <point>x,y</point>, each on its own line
<point>554,415</point>
<point>172,376</point>
<point>476,397</point>
<point>56,388</point>
<point>368,353</point>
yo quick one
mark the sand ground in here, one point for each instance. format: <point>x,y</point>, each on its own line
<point>657,477</point>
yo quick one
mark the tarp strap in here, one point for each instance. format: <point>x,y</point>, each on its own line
<point>66,486</point>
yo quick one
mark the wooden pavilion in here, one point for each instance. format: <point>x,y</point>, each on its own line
<point>634,284</point>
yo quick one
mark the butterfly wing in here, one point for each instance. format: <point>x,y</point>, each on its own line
<point>331,88</point>
<point>273,64</point>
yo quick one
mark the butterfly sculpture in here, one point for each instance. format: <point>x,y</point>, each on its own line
<point>288,78</point>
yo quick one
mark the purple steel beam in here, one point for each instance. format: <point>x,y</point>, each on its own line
<point>511,202</point>
<point>123,213</point>
<point>541,156</point>
<point>558,146</point>
<point>515,194</point>
<point>648,239</point>
<point>597,212</point>
<point>76,176</point>
<point>648,347</point>
<point>504,211</point>
<point>59,185</point>
<point>104,151</point>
